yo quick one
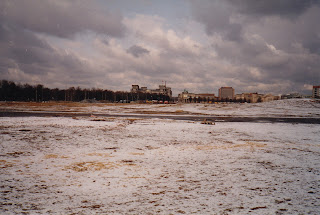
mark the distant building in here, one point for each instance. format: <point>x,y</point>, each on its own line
<point>163,90</point>
<point>249,97</point>
<point>269,97</point>
<point>226,93</point>
<point>186,97</point>
<point>135,88</point>
<point>292,96</point>
<point>315,92</point>
<point>255,97</point>
<point>144,89</point>
<point>206,95</point>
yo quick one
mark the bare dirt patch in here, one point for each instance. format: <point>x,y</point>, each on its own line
<point>177,112</point>
<point>53,156</point>
<point>90,166</point>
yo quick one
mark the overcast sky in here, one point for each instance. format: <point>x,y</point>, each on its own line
<point>265,46</point>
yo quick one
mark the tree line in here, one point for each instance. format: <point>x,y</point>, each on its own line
<point>11,91</point>
<point>217,99</point>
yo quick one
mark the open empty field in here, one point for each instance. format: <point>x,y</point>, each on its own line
<point>105,165</point>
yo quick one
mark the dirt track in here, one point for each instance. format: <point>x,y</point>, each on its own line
<point>190,117</point>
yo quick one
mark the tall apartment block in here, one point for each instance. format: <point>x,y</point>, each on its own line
<point>226,93</point>
<point>315,92</point>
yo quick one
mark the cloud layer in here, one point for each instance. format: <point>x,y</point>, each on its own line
<point>61,18</point>
<point>264,46</point>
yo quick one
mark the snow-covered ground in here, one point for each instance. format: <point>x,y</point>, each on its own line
<point>90,165</point>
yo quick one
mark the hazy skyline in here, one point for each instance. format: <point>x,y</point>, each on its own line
<point>252,45</point>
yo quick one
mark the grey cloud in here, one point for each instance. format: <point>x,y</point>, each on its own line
<point>284,8</point>
<point>21,46</point>
<point>248,27</point>
<point>61,18</point>
<point>237,56</point>
<point>105,41</point>
<point>25,56</point>
<point>273,68</point>
<point>215,15</point>
<point>137,51</point>
<point>231,18</point>
<point>287,34</point>
<point>234,32</point>
<point>22,50</point>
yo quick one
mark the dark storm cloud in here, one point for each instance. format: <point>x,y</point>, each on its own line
<point>22,50</point>
<point>25,56</point>
<point>229,18</point>
<point>137,51</point>
<point>61,18</point>
<point>215,15</point>
<point>286,8</point>
<point>22,46</point>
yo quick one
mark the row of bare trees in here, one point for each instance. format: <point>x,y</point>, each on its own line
<point>10,91</point>
<point>213,100</point>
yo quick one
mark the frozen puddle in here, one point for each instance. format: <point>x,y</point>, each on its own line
<point>148,166</point>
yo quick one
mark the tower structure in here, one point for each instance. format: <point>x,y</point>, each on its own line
<point>226,93</point>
